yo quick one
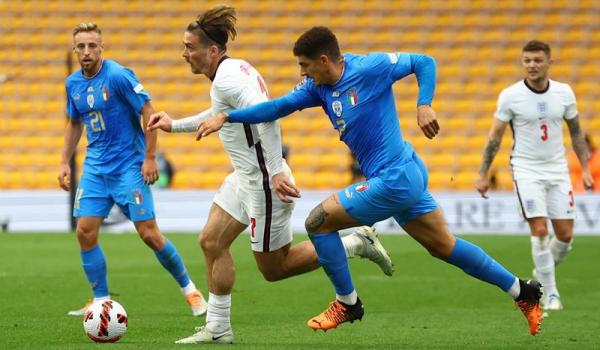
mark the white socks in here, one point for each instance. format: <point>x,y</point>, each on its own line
<point>102,298</point>
<point>559,249</point>
<point>349,299</point>
<point>353,245</point>
<point>219,309</point>
<point>515,289</point>
<point>544,264</point>
<point>191,287</point>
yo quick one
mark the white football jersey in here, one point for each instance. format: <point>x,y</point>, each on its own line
<point>536,119</point>
<point>254,149</point>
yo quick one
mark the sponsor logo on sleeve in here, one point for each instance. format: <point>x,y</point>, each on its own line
<point>138,88</point>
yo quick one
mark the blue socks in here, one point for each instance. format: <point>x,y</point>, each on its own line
<point>169,258</point>
<point>332,258</point>
<point>94,266</point>
<point>474,261</point>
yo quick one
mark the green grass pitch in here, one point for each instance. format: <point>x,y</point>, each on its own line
<point>427,304</point>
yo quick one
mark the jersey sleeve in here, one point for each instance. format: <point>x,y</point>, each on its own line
<point>72,110</point>
<point>397,65</point>
<point>128,86</point>
<point>300,98</point>
<point>503,111</point>
<point>570,103</point>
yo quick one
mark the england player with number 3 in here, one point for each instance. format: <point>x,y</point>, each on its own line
<point>535,108</point>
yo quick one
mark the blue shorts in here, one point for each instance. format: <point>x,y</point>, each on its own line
<point>96,194</point>
<point>399,191</point>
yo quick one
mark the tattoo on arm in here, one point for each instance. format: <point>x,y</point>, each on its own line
<point>489,153</point>
<point>578,140</point>
<point>315,219</point>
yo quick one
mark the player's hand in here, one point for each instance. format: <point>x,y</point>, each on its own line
<point>284,188</point>
<point>150,170</point>
<point>588,180</point>
<point>160,120</point>
<point>64,177</point>
<point>210,125</point>
<point>427,121</point>
<point>482,184</point>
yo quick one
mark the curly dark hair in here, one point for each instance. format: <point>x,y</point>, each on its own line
<point>317,41</point>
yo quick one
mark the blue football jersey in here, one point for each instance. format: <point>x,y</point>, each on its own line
<point>109,104</point>
<point>360,106</point>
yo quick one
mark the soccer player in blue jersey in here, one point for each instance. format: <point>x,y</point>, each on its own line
<point>120,163</point>
<point>355,91</point>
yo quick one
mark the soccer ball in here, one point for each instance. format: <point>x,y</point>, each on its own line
<point>105,321</point>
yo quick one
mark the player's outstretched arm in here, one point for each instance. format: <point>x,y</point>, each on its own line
<point>163,121</point>
<point>482,184</point>
<point>581,150</point>
<point>261,112</point>
<point>73,132</point>
<point>150,164</point>
<point>210,125</point>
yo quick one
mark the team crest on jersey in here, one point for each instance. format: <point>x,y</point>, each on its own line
<point>105,94</point>
<point>352,97</point>
<point>90,101</point>
<point>337,108</point>
<point>542,107</point>
<point>362,187</point>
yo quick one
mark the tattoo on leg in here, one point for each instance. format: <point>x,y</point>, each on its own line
<point>315,219</point>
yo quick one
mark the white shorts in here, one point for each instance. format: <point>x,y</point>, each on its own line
<point>268,217</point>
<point>546,198</point>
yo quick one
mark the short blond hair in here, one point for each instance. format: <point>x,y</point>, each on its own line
<point>86,27</point>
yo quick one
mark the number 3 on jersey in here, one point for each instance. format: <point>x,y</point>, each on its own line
<point>97,122</point>
<point>544,128</point>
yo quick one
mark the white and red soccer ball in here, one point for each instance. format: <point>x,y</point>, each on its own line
<point>105,321</point>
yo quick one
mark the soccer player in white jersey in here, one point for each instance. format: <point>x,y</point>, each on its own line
<point>255,194</point>
<point>535,109</point>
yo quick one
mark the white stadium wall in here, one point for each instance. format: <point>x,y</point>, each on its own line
<point>186,211</point>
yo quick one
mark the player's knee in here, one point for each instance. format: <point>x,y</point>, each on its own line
<point>314,221</point>
<point>153,239</point>
<point>273,275</point>
<point>539,231</point>
<point>209,244</point>
<point>87,237</point>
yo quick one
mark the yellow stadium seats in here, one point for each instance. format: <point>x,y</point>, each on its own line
<point>477,45</point>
